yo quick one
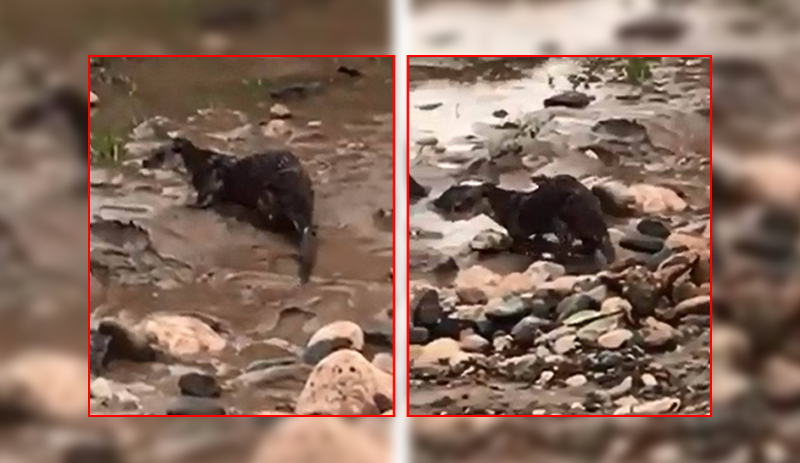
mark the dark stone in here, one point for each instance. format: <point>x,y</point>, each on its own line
<point>452,328</point>
<point>642,243</point>
<point>500,113</point>
<point>195,406</point>
<point>654,228</point>
<point>544,304</point>
<point>199,385</point>
<point>529,329</point>
<point>512,308</point>
<point>643,291</point>
<point>569,99</point>
<point>427,309</point>
<point>418,335</point>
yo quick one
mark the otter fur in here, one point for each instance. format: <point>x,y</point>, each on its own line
<point>274,184</point>
<point>561,205</point>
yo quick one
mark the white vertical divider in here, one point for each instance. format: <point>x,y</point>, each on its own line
<point>401,39</point>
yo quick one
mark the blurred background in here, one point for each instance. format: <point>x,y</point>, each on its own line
<point>198,26</point>
<point>756,309</point>
<point>547,27</point>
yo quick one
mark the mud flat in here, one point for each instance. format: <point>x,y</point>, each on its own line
<point>501,332</point>
<point>199,311</point>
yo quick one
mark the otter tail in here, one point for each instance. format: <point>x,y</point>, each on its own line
<point>308,253</point>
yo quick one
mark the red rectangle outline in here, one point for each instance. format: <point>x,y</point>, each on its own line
<point>394,205</point>
<point>408,207</point>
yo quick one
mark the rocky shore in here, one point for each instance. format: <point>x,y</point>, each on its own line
<point>495,331</point>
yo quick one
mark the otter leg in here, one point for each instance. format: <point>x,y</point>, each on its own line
<point>565,239</point>
<point>266,208</point>
<point>209,190</point>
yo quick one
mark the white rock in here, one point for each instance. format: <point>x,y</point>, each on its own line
<point>180,335</point>
<point>345,383</point>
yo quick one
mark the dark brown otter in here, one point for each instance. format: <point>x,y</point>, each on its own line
<point>274,184</point>
<point>561,205</point>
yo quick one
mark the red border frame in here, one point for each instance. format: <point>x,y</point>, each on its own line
<point>408,231</point>
<point>394,206</point>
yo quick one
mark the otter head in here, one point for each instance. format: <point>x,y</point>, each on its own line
<point>206,168</point>
<point>308,252</point>
<point>465,200</point>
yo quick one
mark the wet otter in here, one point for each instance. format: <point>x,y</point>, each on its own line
<point>274,184</point>
<point>561,205</point>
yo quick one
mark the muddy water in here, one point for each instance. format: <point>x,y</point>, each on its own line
<point>462,111</point>
<point>226,268</point>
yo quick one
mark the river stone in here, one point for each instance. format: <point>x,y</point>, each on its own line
<point>181,335</point>
<point>384,362</point>
<point>565,344</point>
<point>47,384</point>
<point>663,406</point>
<point>574,304</point>
<point>474,343</point>
<point>651,199</point>
<point>471,296</point>
<point>511,308</point>
<point>658,335</point>
<point>315,440</point>
<point>653,227</point>
<point>345,383</point>
<point>576,380</point>
<point>529,329</point>
<point>700,305</point>
<point>199,385</point>
<point>418,335</point>
<point>597,328</point>
<point>101,390</point>
<point>280,111</point>
<point>428,141</point>
<point>615,339</point>
<point>332,337</point>
<point>641,243</point>
<point>570,99</point>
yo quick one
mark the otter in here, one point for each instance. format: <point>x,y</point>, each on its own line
<point>561,205</point>
<point>274,184</point>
